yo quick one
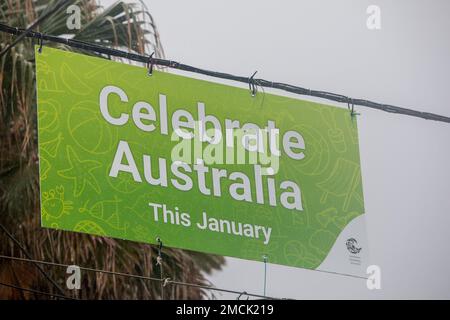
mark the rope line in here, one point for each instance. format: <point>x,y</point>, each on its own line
<point>260,82</point>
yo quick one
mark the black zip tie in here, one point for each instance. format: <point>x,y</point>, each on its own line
<point>160,244</point>
<point>251,84</point>
<point>351,107</point>
<point>41,42</point>
<point>150,65</point>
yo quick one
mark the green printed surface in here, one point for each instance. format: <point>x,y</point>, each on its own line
<point>88,183</point>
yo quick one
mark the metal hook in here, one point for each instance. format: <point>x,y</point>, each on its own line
<point>159,262</point>
<point>150,64</point>
<point>41,41</point>
<point>351,107</point>
<point>158,239</point>
<point>252,85</point>
<point>166,282</point>
<point>160,244</point>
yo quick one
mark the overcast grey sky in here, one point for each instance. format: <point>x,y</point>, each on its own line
<point>325,44</point>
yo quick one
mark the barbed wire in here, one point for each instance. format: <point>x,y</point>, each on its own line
<point>151,61</point>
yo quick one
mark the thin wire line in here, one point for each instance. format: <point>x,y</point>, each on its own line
<point>261,82</point>
<point>35,291</point>
<point>167,280</point>
<point>265,273</point>
<point>62,265</point>
<point>41,19</point>
<point>222,290</point>
<point>341,274</point>
<point>28,255</point>
<point>159,262</point>
<point>149,278</point>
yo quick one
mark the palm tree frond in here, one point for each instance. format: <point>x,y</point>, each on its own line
<point>121,25</point>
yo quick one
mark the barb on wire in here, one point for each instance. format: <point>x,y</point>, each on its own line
<point>261,82</point>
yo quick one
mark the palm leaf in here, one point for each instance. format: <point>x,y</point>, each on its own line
<point>126,26</point>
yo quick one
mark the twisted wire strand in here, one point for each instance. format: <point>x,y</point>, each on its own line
<point>261,82</point>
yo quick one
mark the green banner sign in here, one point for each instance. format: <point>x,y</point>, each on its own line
<point>204,166</point>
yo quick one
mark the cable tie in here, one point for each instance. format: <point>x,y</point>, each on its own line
<point>150,66</point>
<point>351,107</point>
<point>41,41</point>
<point>251,84</point>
